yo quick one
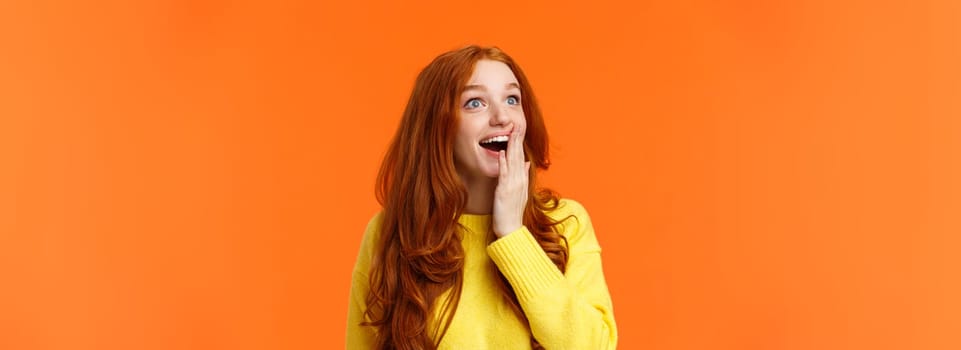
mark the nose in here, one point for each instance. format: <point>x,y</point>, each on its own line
<point>499,115</point>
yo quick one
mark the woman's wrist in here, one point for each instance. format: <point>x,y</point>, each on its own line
<point>501,232</point>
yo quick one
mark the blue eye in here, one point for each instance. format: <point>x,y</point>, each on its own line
<point>473,103</point>
<point>513,100</point>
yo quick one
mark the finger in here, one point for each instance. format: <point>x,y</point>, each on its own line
<point>509,151</point>
<point>505,155</point>
<point>520,140</point>
<point>516,146</point>
<point>527,166</point>
<point>502,162</point>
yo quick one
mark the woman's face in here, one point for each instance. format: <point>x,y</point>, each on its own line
<point>490,107</point>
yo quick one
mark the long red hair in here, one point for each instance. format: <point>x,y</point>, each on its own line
<point>418,255</point>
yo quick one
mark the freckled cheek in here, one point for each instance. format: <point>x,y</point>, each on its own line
<point>520,120</point>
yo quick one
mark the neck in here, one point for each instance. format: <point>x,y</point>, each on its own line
<point>480,194</point>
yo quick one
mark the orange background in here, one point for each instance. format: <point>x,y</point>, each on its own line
<point>181,174</point>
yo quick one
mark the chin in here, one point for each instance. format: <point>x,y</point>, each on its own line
<point>493,171</point>
<point>484,168</point>
<point>490,172</point>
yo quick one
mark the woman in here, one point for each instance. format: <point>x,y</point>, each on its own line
<point>465,253</point>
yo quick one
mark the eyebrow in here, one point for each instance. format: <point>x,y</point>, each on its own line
<point>481,87</point>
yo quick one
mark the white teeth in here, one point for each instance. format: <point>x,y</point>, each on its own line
<point>502,138</point>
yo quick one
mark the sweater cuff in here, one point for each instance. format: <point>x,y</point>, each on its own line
<point>523,262</point>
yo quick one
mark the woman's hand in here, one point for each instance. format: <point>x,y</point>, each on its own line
<point>510,196</point>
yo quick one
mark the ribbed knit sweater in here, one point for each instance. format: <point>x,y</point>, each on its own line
<point>569,310</point>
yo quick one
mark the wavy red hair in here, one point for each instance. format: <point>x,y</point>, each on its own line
<point>418,255</point>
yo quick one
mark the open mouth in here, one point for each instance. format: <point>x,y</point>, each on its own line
<point>496,143</point>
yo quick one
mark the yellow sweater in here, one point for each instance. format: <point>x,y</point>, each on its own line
<point>566,311</point>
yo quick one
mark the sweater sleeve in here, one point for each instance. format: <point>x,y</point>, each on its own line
<point>571,310</point>
<point>361,337</point>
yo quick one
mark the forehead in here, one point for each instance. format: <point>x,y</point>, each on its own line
<point>491,74</point>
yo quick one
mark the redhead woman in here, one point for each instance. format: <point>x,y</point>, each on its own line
<point>467,253</point>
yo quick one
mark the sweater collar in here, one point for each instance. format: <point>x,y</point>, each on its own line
<point>475,221</point>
